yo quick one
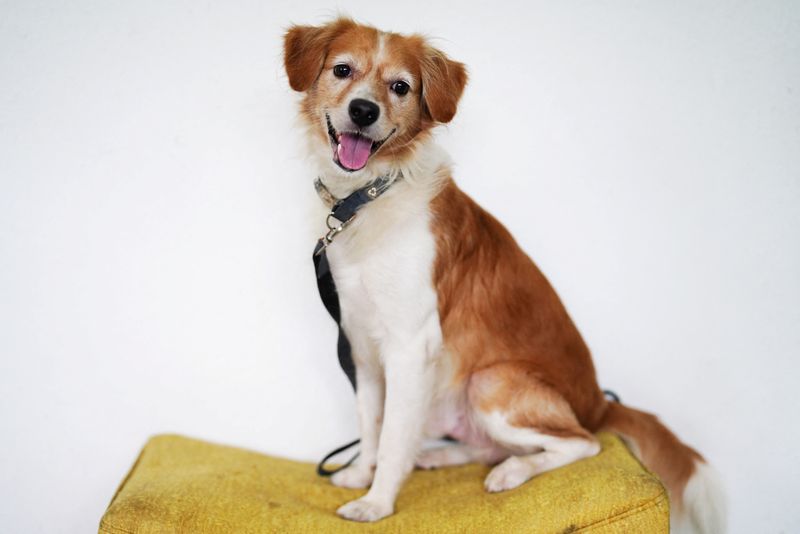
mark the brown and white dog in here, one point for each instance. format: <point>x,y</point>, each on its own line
<point>454,330</point>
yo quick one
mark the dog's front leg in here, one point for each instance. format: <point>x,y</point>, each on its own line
<point>370,399</point>
<point>409,381</point>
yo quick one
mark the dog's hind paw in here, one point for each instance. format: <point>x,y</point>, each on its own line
<point>354,476</point>
<point>508,475</point>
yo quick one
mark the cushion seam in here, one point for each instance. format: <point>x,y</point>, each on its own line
<point>652,503</point>
<point>104,525</point>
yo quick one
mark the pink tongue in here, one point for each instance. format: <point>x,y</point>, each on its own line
<point>353,151</point>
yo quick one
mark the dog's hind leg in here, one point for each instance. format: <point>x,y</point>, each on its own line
<point>526,416</point>
<point>554,452</point>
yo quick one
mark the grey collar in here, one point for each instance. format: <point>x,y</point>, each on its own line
<point>344,210</point>
<point>373,190</point>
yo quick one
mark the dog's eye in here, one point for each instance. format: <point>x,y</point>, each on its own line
<point>400,87</point>
<point>341,70</point>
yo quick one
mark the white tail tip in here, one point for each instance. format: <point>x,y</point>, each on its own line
<point>704,508</point>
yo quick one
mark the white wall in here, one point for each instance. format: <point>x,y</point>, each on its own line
<point>154,239</point>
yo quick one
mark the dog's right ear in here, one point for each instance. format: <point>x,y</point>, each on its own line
<point>303,54</point>
<point>304,51</point>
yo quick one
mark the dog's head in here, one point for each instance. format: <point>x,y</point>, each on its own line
<point>370,96</point>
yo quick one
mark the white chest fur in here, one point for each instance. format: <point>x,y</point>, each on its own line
<point>382,265</point>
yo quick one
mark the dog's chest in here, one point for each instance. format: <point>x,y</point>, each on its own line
<point>382,266</point>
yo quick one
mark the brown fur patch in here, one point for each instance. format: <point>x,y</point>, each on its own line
<point>533,404</point>
<point>496,307</point>
<point>514,344</point>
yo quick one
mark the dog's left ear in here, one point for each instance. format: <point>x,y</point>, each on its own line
<point>443,81</point>
<point>304,50</point>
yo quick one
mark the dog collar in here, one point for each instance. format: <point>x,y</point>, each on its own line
<point>344,210</point>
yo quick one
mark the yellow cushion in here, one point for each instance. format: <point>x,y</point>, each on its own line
<point>181,485</point>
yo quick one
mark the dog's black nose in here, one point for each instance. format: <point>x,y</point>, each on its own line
<point>363,112</point>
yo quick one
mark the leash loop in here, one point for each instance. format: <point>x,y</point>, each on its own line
<point>325,472</point>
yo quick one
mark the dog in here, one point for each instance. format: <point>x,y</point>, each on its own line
<point>454,331</point>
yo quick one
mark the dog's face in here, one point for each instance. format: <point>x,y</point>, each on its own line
<point>369,95</point>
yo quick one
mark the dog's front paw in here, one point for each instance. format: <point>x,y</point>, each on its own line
<point>354,476</point>
<point>365,510</point>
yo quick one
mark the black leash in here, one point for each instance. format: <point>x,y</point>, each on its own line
<point>327,292</point>
<point>323,472</point>
<point>343,211</point>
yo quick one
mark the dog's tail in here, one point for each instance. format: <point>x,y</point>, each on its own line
<point>697,502</point>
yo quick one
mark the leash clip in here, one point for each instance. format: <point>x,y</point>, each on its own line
<point>333,229</point>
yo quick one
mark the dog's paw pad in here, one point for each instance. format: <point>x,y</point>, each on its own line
<point>364,510</point>
<point>508,475</point>
<point>355,477</point>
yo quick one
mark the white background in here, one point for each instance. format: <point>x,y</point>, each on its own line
<point>154,232</point>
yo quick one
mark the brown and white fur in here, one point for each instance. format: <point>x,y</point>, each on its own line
<point>454,330</point>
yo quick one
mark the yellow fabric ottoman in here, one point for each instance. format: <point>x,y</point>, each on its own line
<point>181,485</point>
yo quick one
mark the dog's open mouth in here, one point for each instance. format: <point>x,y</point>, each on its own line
<point>352,150</point>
